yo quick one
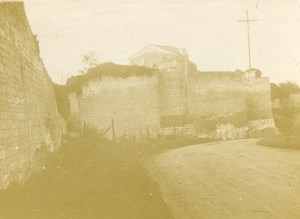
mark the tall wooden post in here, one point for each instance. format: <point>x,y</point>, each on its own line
<point>248,35</point>
<point>148,134</point>
<point>113,130</point>
<point>141,133</point>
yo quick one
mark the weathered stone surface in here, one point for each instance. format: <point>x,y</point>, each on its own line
<point>131,102</point>
<point>29,121</point>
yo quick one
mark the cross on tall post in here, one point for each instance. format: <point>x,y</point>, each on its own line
<point>248,29</point>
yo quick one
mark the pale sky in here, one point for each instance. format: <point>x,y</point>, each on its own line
<point>208,29</point>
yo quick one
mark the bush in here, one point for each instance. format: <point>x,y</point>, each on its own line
<point>75,83</point>
<point>284,119</point>
<point>283,90</point>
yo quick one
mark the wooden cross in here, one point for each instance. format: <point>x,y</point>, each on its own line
<point>248,29</point>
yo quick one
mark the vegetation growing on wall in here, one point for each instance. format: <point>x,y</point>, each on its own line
<point>258,73</point>
<point>90,60</point>
<point>75,83</point>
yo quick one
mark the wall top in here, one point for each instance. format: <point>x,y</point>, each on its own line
<point>16,9</point>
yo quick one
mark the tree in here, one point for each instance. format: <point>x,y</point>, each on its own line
<point>284,116</point>
<point>275,91</point>
<point>284,90</point>
<point>90,60</point>
<point>258,73</point>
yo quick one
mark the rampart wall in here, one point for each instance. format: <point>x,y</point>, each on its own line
<point>29,122</point>
<point>181,96</point>
<point>131,102</point>
<point>214,93</point>
<point>174,98</point>
<point>258,100</point>
<point>172,81</point>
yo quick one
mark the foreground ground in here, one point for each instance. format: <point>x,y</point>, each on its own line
<point>89,178</point>
<point>92,178</point>
<point>230,179</point>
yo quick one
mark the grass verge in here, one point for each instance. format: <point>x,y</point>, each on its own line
<point>281,141</point>
<point>289,140</point>
<point>88,178</point>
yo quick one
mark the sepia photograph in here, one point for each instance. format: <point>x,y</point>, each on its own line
<point>149,109</point>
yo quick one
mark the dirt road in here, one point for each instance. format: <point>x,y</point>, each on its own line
<point>229,179</point>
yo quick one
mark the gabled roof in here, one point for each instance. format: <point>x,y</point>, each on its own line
<point>167,49</point>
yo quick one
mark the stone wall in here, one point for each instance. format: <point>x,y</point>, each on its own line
<point>29,122</point>
<point>234,94</point>
<point>217,93</point>
<point>172,69</point>
<point>175,98</point>
<point>172,80</point>
<point>132,102</point>
<point>259,102</point>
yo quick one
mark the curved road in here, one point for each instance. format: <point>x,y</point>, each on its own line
<point>229,179</point>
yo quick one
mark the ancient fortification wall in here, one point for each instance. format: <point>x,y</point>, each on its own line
<point>132,102</point>
<point>172,80</point>
<point>258,100</point>
<point>217,93</point>
<point>173,86</point>
<point>176,96</point>
<point>172,65</point>
<point>29,121</point>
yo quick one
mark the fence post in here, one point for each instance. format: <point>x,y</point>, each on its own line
<point>113,130</point>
